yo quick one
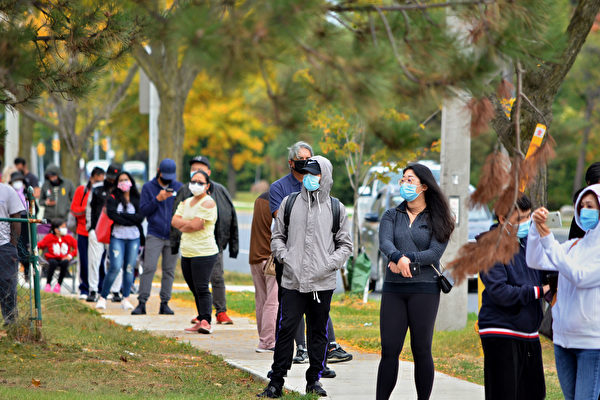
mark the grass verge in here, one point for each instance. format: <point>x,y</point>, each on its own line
<point>456,353</point>
<point>82,355</point>
<point>231,277</point>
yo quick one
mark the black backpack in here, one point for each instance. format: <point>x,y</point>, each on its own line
<point>335,209</point>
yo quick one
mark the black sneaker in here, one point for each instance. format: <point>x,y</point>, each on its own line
<point>116,297</point>
<point>336,354</point>
<point>301,355</point>
<point>271,391</point>
<point>92,297</point>
<point>140,309</point>
<point>316,388</point>
<point>165,309</point>
<point>328,373</point>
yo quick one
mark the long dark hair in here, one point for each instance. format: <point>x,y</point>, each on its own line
<point>134,195</point>
<point>440,217</point>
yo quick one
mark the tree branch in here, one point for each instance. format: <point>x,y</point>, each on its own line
<point>150,67</point>
<point>408,74</point>
<point>409,7</point>
<point>38,118</point>
<point>110,106</point>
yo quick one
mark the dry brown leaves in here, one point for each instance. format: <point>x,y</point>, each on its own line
<point>482,112</point>
<point>494,178</point>
<point>496,246</point>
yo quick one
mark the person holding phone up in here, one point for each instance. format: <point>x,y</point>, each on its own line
<point>156,204</point>
<point>413,237</point>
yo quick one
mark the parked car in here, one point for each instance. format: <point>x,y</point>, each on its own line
<point>480,220</point>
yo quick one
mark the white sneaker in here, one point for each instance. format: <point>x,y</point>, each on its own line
<point>101,304</point>
<point>127,305</point>
<point>82,296</point>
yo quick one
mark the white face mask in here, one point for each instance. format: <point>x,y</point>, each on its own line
<point>62,231</point>
<point>197,188</point>
<point>18,185</point>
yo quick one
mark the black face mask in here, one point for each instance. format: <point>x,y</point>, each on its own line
<point>299,165</point>
<point>54,182</point>
<point>167,182</point>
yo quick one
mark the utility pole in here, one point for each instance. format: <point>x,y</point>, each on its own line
<point>11,142</point>
<point>455,159</point>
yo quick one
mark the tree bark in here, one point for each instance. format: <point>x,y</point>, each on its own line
<point>540,85</point>
<point>231,174</point>
<point>26,138</point>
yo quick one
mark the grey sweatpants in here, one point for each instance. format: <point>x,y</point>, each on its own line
<point>156,246</point>
<point>217,282</point>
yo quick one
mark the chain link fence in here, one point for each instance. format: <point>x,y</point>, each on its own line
<point>20,289</point>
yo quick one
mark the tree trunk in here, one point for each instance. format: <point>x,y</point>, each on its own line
<point>590,103</point>
<point>171,129</point>
<point>231,174</point>
<point>26,138</point>
<point>69,162</point>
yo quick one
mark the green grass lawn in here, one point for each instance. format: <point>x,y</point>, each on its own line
<point>84,356</point>
<point>456,353</point>
<point>231,277</point>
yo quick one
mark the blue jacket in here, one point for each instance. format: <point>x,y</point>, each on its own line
<point>511,303</point>
<point>158,213</point>
<point>282,188</point>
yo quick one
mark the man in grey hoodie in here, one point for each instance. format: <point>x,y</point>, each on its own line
<point>311,254</point>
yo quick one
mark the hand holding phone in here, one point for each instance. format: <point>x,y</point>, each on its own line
<point>553,220</point>
<point>415,268</point>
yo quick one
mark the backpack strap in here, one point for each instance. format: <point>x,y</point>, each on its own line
<point>335,209</point>
<point>288,210</point>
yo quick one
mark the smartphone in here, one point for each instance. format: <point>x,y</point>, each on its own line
<point>415,268</point>
<point>170,190</point>
<point>554,220</point>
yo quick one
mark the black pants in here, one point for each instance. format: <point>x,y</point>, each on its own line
<point>197,272</point>
<point>513,369</point>
<point>399,312</point>
<point>53,265</point>
<point>299,337</point>
<point>293,305</point>
<point>8,282</point>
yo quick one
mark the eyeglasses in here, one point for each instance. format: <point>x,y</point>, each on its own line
<point>410,180</point>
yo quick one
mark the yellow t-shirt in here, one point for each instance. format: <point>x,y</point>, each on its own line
<point>200,243</point>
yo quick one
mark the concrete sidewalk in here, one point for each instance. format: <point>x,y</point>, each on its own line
<point>236,343</point>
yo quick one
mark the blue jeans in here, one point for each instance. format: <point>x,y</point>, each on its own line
<point>122,253</point>
<point>578,372</point>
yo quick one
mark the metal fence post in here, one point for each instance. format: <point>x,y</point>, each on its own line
<point>33,258</point>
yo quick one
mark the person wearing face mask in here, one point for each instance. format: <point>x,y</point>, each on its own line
<point>156,203</point>
<point>57,194</point>
<point>576,313</point>
<point>509,319</point>
<point>311,255</point>
<point>413,237</point>
<point>226,235</point>
<point>60,249</point>
<point>30,178</point>
<point>78,208</point>
<point>97,250</point>
<point>123,207</point>
<point>298,154</point>
<point>195,218</point>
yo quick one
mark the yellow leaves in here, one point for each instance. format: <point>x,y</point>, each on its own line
<point>303,75</point>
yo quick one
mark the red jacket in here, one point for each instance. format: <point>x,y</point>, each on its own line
<point>58,248</point>
<point>78,206</point>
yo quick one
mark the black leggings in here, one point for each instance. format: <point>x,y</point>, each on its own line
<point>400,311</point>
<point>53,265</point>
<point>196,272</point>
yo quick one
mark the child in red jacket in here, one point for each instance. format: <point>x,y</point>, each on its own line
<point>60,249</point>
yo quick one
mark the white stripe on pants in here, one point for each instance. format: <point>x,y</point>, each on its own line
<point>95,250</point>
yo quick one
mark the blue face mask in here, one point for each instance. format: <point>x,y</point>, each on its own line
<point>311,182</point>
<point>588,218</point>
<point>409,192</point>
<point>523,229</point>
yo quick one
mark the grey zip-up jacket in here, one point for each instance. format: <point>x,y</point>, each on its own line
<point>310,254</point>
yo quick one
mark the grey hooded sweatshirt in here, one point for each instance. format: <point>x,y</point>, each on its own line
<point>310,253</point>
